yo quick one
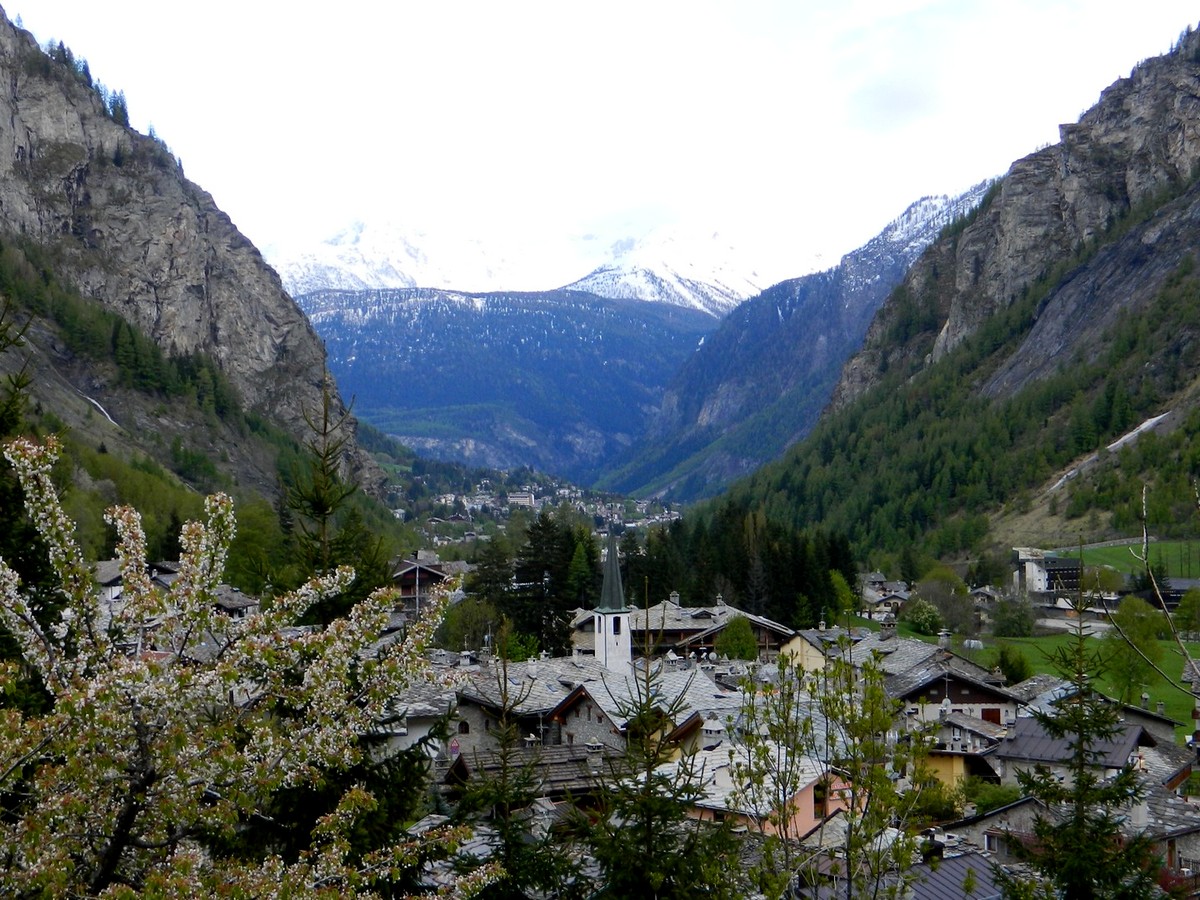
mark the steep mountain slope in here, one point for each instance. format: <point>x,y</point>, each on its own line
<point>1057,319</point>
<point>113,213</point>
<point>1137,145</point>
<point>760,381</point>
<point>559,380</point>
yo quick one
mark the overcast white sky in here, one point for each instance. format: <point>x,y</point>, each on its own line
<point>815,122</point>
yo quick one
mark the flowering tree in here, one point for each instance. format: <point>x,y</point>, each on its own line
<point>171,725</point>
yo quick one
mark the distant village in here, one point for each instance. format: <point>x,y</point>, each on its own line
<point>465,517</point>
<point>574,713</point>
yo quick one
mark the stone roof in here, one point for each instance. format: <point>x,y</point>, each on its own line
<point>717,627</point>
<point>537,685</point>
<point>825,638</point>
<point>937,668</point>
<point>685,692</point>
<point>162,572</point>
<point>1165,813</point>
<point>1167,761</point>
<point>561,769</point>
<point>424,700</point>
<point>1028,742</point>
<point>989,730</point>
<point>668,616</point>
<point>897,654</point>
<point>1032,688</point>
<point>231,599</point>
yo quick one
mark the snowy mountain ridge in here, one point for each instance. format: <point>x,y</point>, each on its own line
<point>685,266</point>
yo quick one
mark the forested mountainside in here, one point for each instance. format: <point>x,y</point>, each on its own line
<point>561,380</point>
<point>760,381</point>
<point>1026,341</point>
<point>110,213</point>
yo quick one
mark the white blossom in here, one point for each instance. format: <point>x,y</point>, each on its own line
<point>170,722</point>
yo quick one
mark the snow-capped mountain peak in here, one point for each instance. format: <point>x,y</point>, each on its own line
<point>693,267</point>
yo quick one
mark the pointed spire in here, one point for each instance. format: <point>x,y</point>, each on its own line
<point>612,594</point>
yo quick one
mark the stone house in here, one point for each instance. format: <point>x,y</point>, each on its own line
<point>601,711</point>
<point>530,690</point>
<point>1171,822</point>
<point>945,684</point>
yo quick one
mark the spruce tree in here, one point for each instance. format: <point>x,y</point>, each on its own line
<point>1079,849</point>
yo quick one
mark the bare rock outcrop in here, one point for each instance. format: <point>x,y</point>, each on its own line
<point>1138,143</point>
<point>128,229</point>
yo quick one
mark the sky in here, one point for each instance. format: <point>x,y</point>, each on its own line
<point>805,126</point>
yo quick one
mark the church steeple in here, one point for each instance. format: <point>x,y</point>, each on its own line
<point>612,594</point>
<point>614,643</point>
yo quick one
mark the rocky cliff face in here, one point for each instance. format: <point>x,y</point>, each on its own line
<point>1140,141</point>
<point>129,230</point>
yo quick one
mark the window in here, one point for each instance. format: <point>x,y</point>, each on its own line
<point>464,727</point>
<point>991,843</point>
<point>570,738</point>
<point>617,625</point>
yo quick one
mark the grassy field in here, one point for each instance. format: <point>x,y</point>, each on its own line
<point>1039,651</point>
<point>1179,704</point>
<point>1181,559</point>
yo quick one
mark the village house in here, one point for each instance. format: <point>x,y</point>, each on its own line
<point>601,712</point>
<point>1041,692</point>
<point>1172,824</point>
<point>945,684</point>
<point>558,773</point>
<point>414,715</point>
<point>810,648</point>
<point>725,794</point>
<point>417,578</point>
<point>884,599</point>
<point>530,691</point>
<point>231,602</point>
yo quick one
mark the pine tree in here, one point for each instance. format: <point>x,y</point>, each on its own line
<point>327,532</point>
<point>1079,849</point>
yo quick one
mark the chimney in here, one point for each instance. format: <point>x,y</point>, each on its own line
<point>887,629</point>
<point>944,639</point>
<point>1160,708</point>
<point>1139,814</point>
<point>594,755</point>
<point>1145,700</point>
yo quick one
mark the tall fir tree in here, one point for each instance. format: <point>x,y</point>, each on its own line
<point>1080,849</point>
